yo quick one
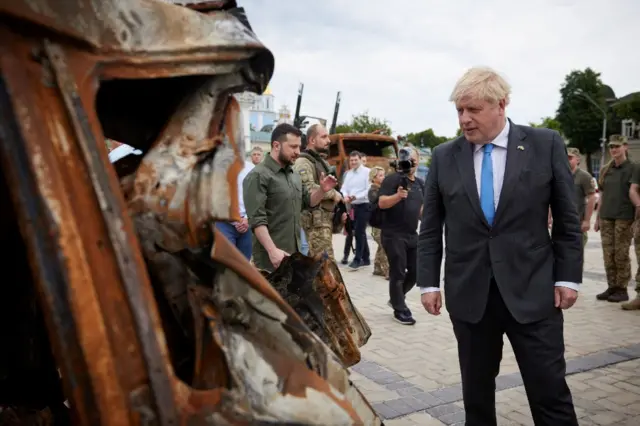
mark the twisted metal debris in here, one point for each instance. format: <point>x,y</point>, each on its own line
<point>152,316</point>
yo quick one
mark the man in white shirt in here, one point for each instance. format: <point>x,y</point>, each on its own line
<point>355,190</point>
<point>236,232</point>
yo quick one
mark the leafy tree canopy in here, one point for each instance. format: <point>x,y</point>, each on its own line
<point>364,123</point>
<point>548,123</point>
<point>629,108</point>
<point>580,112</point>
<point>425,139</point>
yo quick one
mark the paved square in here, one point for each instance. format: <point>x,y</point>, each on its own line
<point>411,374</point>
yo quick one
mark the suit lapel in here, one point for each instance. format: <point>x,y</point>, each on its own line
<point>518,151</point>
<point>466,169</point>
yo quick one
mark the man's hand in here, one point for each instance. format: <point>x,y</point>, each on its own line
<point>402,193</point>
<point>565,297</point>
<point>242,226</point>
<point>350,198</point>
<point>586,225</point>
<point>276,256</point>
<point>344,218</point>
<point>432,302</point>
<point>596,225</point>
<point>327,183</point>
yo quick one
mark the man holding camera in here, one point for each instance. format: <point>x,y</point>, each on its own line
<point>401,195</point>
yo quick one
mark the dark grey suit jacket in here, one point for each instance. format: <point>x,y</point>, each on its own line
<point>517,251</point>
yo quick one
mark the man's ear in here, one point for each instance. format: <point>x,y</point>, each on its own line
<point>502,103</point>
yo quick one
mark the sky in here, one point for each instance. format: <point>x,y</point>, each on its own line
<point>399,59</point>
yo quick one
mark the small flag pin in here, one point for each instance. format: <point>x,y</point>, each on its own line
<point>521,148</point>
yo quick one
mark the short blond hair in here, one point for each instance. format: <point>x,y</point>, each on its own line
<point>481,83</point>
<point>374,172</point>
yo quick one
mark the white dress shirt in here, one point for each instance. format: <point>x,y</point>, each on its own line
<point>356,183</point>
<point>248,166</point>
<point>499,161</point>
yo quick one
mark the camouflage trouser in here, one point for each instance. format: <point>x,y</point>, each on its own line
<point>616,238</point>
<point>381,263</point>
<point>318,225</point>
<point>320,238</point>
<point>636,243</point>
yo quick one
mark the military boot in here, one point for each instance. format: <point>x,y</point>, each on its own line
<point>634,305</point>
<point>605,294</point>
<point>619,295</point>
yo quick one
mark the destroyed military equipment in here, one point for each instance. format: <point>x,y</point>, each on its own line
<point>121,297</point>
<point>379,149</point>
<point>314,288</point>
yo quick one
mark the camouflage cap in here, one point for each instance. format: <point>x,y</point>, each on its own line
<point>574,152</point>
<point>617,140</point>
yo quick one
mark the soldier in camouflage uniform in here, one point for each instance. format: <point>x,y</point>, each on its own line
<point>317,222</point>
<point>381,263</point>
<point>634,195</point>
<point>615,219</point>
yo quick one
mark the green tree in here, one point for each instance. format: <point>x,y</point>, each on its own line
<point>425,139</point>
<point>458,132</point>
<point>629,108</point>
<point>580,120</point>
<point>548,123</point>
<point>364,123</point>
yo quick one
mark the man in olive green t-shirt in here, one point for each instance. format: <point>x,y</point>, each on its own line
<point>585,192</point>
<point>274,198</point>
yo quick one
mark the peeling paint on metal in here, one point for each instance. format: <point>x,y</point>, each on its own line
<point>257,359</point>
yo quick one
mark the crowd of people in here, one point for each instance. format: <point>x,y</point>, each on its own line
<point>507,209</point>
<point>492,194</point>
<point>290,197</point>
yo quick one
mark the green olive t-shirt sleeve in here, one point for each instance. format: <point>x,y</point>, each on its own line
<point>588,187</point>
<point>635,174</point>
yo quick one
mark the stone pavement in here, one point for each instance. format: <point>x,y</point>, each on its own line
<point>410,374</point>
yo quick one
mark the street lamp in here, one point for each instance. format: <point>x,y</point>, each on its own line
<point>580,92</point>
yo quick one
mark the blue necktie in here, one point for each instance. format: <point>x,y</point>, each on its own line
<point>486,185</point>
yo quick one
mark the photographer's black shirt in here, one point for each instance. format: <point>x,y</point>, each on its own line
<point>404,216</point>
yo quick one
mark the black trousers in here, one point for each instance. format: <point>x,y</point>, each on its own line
<point>361,219</point>
<point>401,250</point>
<point>348,243</point>
<point>539,351</point>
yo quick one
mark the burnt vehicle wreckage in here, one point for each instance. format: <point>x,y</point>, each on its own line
<point>119,299</point>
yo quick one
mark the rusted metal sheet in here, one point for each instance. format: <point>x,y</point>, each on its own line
<point>139,26</point>
<point>315,290</point>
<point>368,143</point>
<point>184,182</point>
<point>152,316</point>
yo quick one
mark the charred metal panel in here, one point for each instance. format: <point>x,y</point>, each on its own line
<point>257,355</point>
<point>143,26</point>
<point>153,317</point>
<point>315,290</point>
